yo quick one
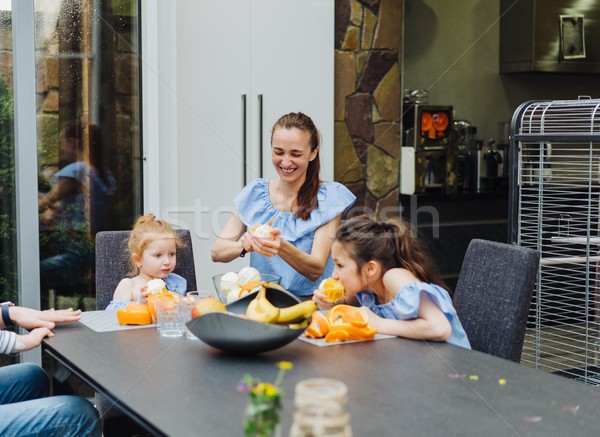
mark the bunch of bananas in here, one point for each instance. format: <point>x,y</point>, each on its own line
<point>296,316</point>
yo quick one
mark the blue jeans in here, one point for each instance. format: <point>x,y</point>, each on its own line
<point>26,409</point>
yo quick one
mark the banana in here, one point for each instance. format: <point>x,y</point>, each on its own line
<point>300,325</point>
<point>261,310</point>
<point>296,312</point>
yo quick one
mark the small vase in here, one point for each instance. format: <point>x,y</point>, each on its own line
<point>262,420</point>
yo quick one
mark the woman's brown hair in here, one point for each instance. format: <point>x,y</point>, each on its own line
<point>147,229</point>
<point>306,200</point>
<point>389,242</point>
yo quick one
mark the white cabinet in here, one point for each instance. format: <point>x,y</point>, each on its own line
<point>240,65</point>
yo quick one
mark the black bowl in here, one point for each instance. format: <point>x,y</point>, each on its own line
<point>229,332</point>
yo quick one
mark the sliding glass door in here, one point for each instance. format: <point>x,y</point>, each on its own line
<point>88,142</point>
<point>70,144</point>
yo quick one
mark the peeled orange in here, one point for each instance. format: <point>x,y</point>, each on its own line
<point>332,289</point>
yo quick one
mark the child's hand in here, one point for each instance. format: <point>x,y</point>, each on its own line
<point>143,294</point>
<point>31,340</point>
<point>321,301</point>
<point>29,318</point>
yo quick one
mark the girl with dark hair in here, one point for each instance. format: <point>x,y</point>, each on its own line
<point>387,271</point>
<point>305,212</point>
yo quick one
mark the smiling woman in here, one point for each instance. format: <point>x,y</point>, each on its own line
<point>307,211</point>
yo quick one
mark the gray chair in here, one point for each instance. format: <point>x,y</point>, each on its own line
<point>112,263</point>
<point>493,296</point>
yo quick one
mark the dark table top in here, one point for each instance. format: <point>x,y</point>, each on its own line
<point>182,387</point>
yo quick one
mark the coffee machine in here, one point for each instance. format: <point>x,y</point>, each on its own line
<point>428,161</point>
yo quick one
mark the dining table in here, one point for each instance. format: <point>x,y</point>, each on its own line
<point>396,387</point>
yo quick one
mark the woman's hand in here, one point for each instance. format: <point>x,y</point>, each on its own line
<point>247,241</point>
<point>31,340</point>
<point>265,246</point>
<point>29,318</point>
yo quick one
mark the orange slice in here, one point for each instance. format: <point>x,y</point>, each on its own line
<point>440,121</point>
<point>337,335</point>
<point>319,326</point>
<point>426,121</point>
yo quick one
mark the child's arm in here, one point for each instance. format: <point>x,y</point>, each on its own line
<point>431,323</point>
<point>124,291</point>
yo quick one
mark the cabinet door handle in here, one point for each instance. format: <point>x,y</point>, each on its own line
<point>260,134</point>
<point>244,145</point>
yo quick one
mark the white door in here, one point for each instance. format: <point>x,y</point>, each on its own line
<point>212,80</point>
<point>292,68</point>
<point>228,51</point>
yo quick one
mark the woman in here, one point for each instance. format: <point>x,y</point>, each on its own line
<point>76,207</point>
<point>305,211</point>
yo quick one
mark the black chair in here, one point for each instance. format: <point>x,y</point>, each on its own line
<point>493,296</point>
<point>112,263</point>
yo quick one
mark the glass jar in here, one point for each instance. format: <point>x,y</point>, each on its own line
<point>321,409</point>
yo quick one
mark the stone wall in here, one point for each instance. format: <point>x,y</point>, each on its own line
<point>368,38</point>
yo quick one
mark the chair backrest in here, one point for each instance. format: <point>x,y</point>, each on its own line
<point>493,296</point>
<point>112,263</point>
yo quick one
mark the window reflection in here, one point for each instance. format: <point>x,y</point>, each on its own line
<point>8,234</point>
<point>88,142</point>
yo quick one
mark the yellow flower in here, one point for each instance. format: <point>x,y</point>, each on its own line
<point>285,365</point>
<point>264,388</point>
<point>271,390</point>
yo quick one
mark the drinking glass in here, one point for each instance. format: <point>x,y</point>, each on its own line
<point>192,297</point>
<point>172,315</point>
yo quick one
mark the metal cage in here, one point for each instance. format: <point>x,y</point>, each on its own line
<point>554,208</point>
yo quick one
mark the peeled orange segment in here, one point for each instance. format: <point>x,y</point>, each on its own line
<point>319,326</point>
<point>337,335</point>
<point>134,314</point>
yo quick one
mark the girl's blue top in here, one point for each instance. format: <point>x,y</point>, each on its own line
<point>173,281</point>
<point>254,205</point>
<point>405,306</point>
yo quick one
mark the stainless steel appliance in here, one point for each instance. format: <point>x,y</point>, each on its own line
<point>428,159</point>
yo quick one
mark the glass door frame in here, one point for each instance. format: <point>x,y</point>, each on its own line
<point>24,86</point>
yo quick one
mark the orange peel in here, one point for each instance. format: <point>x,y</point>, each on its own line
<point>319,326</point>
<point>341,323</point>
<point>134,314</point>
